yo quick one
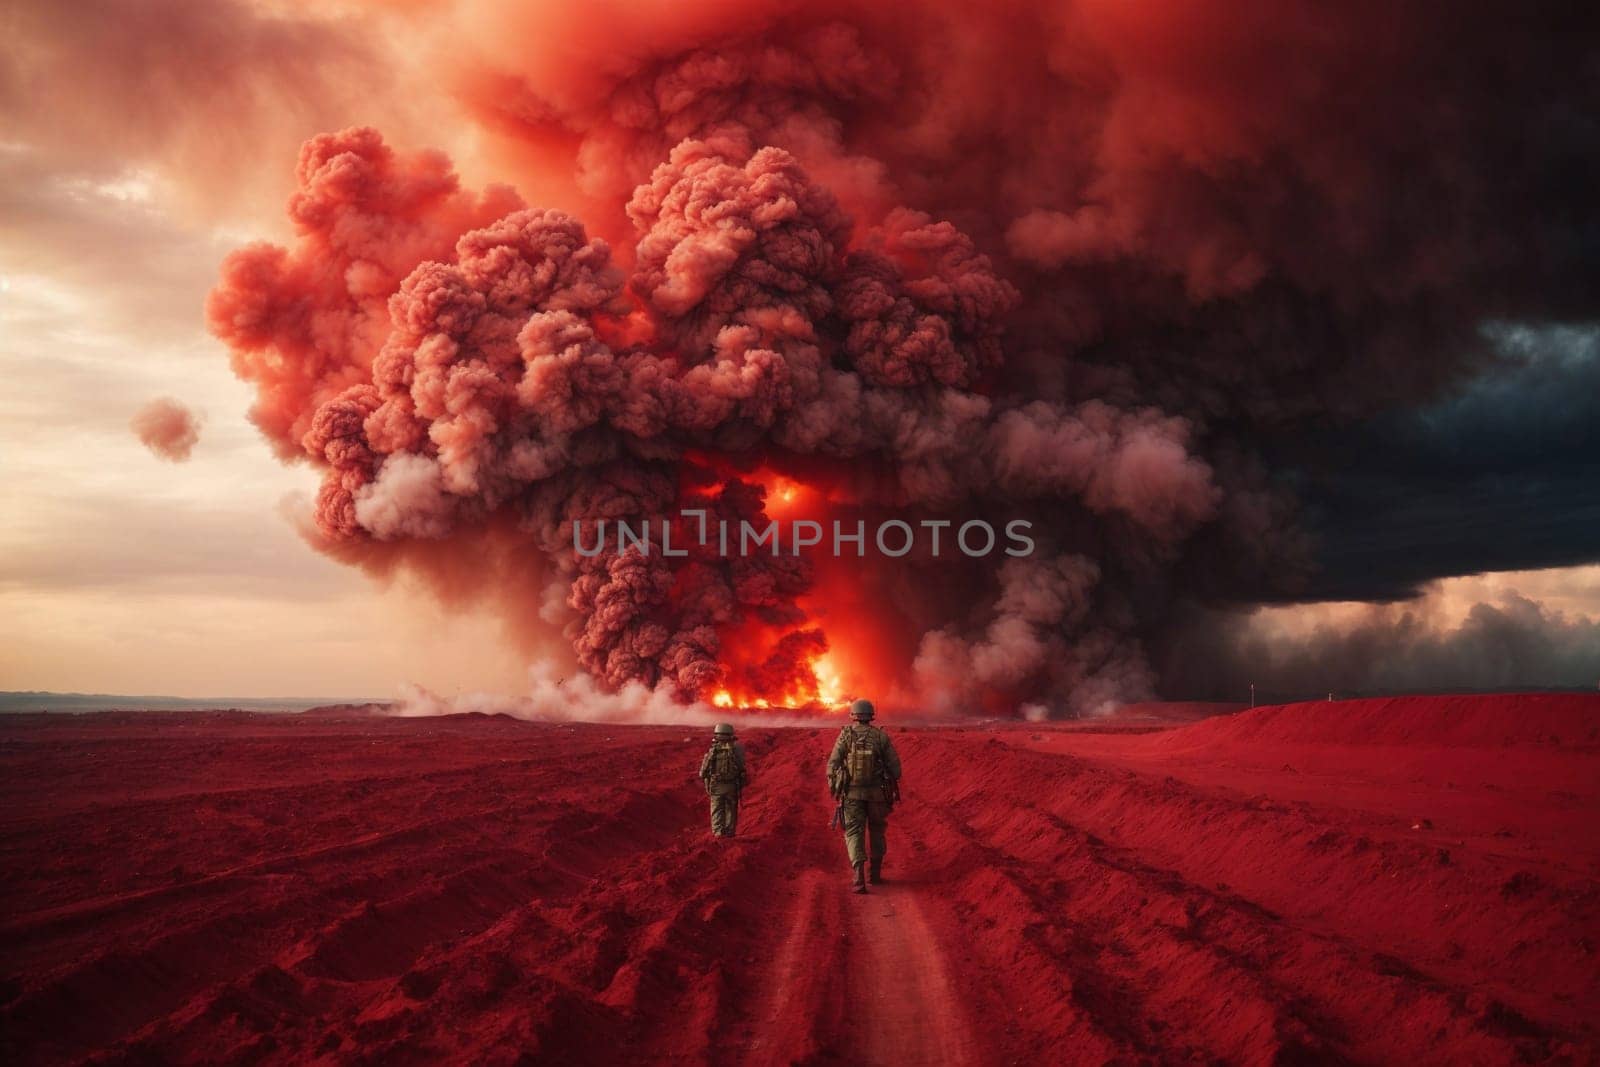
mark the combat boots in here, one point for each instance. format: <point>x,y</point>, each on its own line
<point>861,878</point>
<point>877,870</point>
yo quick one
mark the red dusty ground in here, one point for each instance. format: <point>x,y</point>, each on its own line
<point>1375,881</point>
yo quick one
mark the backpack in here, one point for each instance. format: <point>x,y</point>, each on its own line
<point>861,765</point>
<point>724,762</point>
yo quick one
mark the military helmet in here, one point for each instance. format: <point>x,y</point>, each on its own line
<point>723,729</point>
<point>861,711</point>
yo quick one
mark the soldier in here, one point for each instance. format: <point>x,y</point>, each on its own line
<point>864,776</point>
<point>722,770</point>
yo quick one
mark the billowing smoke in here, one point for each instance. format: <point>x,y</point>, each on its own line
<point>1508,643</point>
<point>167,428</point>
<point>551,697</point>
<point>1065,263</point>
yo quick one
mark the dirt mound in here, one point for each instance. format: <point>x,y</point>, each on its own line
<point>1173,712</point>
<point>1563,719</point>
<point>287,889</point>
<point>349,711</point>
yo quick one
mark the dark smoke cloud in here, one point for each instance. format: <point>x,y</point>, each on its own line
<point>1081,262</point>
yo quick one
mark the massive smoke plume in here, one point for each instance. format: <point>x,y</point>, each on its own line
<point>1063,262</point>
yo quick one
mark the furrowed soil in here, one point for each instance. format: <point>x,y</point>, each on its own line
<point>1409,880</point>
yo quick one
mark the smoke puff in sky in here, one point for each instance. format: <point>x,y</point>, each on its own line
<point>167,428</point>
<point>1070,261</point>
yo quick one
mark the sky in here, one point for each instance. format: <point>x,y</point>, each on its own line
<point>140,143</point>
<point>121,571</point>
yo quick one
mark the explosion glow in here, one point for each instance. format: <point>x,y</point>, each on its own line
<point>833,266</point>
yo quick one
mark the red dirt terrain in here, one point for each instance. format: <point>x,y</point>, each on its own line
<point>1410,880</point>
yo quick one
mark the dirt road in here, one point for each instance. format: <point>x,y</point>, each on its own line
<point>195,888</point>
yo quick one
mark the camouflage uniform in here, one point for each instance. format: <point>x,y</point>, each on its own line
<point>723,772</point>
<point>866,803</point>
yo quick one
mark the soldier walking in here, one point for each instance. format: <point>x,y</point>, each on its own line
<point>722,771</point>
<point>864,776</point>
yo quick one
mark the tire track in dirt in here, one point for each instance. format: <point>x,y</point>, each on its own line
<point>790,992</point>
<point>800,981</point>
<point>1163,966</point>
<point>1471,919</point>
<point>336,917</point>
<point>860,979</point>
<point>902,1007</point>
<point>989,937</point>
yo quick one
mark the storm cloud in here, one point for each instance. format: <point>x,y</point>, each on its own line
<point>1502,475</point>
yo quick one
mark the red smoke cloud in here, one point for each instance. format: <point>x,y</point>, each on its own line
<point>167,428</point>
<point>1061,262</point>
